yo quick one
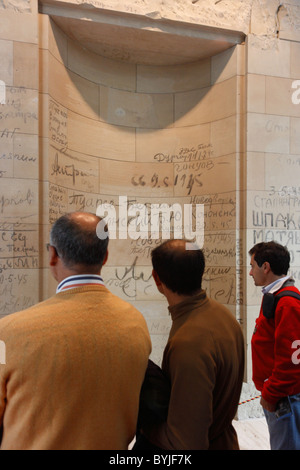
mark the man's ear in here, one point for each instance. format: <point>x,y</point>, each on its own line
<point>157,280</point>
<point>155,277</point>
<point>266,267</point>
<point>105,258</point>
<point>53,256</point>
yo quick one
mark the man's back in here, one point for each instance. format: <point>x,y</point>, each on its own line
<point>204,359</point>
<point>74,368</point>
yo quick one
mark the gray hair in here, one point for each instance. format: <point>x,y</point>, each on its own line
<point>75,244</point>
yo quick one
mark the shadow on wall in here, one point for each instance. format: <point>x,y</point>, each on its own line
<point>135,95</point>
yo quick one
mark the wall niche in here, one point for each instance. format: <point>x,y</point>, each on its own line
<point>150,126</point>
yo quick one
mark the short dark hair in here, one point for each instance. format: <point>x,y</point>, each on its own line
<point>275,254</point>
<point>76,244</point>
<point>180,269</point>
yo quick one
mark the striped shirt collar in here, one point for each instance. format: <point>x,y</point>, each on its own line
<point>72,282</point>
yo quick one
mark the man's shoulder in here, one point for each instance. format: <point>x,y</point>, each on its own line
<point>288,294</point>
<point>219,308</point>
<point>123,305</point>
<point>223,320</point>
<point>17,323</point>
<point>288,288</point>
<point>103,297</point>
<point>23,314</point>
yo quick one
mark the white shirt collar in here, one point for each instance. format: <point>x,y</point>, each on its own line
<point>276,285</point>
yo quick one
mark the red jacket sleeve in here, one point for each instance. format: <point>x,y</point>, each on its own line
<point>285,377</point>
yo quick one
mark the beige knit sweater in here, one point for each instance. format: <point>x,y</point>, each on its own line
<point>74,369</point>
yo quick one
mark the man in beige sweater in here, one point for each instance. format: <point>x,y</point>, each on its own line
<point>203,359</point>
<point>75,363</point>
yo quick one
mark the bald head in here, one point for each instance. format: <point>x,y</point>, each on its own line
<point>86,220</point>
<point>180,245</point>
<point>179,265</point>
<point>75,239</point>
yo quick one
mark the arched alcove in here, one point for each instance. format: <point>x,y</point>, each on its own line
<point>157,127</point>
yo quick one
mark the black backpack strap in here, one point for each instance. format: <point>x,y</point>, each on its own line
<point>270,302</point>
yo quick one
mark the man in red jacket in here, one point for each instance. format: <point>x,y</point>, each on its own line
<point>276,338</point>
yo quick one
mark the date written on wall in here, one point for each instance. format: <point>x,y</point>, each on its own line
<point>185,180</point>
<point>189,166</point>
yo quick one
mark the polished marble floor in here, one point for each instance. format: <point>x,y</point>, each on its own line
<point>253,434</point>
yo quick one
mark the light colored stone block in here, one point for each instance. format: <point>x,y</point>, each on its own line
<point>69,89</point>
<point>219,214</point>
<point>228,64</point>
<point>25,246</point>
<point>120,253</point>
<point>214,173</point>
<point>93,67</point>
<point>223,288</point>
<point>224,136</point>
<point>6,57</point>
<point>24,24</point>
<point>43,31</point>
<point>48,283</point>
<point>282,173</point>
<point>58,202</point>
<point>26,156</point>
<point>120,281</point>
<point>6,157</point>
<point>26,65</point>
<point>43,71</point>
<point>20,294</point>
<point>273,215</point>
<point>256,93</point>
<point>185,144</point>
<point>279,97</point>
<point>206,105</point>
<point>295,136</point>
<point>20,111</point>
<point>173,79</point>
<point>92,202</point>
<point>268,56</point>
<point>268,133</point>
<point>44,115</point>
<point>55,122</point>
<point>136,179</point>
<point>145,286</point>
<point>295,62</point>
<point>44,204</point>
<point>255,170</point>
<point>124,108</point>
<point>173,221</point>
<point>58,43</point>
<point>220,255</point>
<point>73,170</point>
<point>19,200</point>
<point>100,139</point>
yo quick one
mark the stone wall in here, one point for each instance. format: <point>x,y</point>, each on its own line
<point>151,135</point>
<point>213,122</point>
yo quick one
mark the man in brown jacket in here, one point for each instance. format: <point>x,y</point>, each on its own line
<point>203,359</point>
<point>75,363</point>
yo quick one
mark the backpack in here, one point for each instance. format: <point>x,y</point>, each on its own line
<point>270,302</point>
